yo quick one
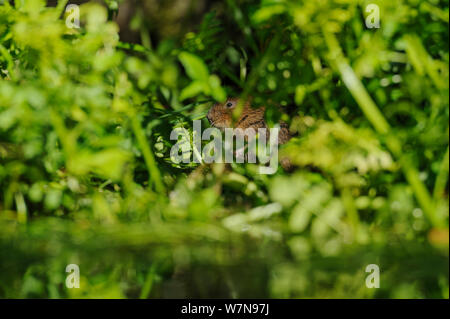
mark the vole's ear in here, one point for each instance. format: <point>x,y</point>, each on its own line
<point>250,99</point>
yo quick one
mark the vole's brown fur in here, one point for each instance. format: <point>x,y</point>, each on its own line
<point>221,116</point>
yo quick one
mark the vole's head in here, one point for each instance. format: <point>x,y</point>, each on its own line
<point>221,114</point>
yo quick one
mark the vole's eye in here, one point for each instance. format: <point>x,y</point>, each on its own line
<point>229,104</point>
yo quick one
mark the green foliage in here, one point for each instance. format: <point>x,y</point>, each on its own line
<point>86,175</point>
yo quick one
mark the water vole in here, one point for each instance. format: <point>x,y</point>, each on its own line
<point>221,116</point>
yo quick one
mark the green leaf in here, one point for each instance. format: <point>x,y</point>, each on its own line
<point>266,13</point>
<point>194,66</point>
<point>192,90</point>
<point>217,92</point>
<point>299,219</point>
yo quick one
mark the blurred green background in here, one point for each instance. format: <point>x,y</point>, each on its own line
<point>86,175</point>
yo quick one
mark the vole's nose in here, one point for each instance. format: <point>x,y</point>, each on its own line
<point>208,116</point>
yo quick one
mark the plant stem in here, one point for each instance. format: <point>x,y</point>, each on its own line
<point>442,178</point>
<point>154,173</point>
